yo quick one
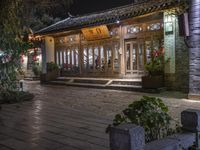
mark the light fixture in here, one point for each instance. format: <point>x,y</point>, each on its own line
<point>168,21</point>
<point>118,21</point>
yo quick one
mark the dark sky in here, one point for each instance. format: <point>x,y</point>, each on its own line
<point>87,6</point>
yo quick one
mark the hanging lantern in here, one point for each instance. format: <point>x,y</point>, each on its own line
<point>35,55</point>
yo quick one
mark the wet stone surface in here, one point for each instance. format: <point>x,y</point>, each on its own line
<point>70,118</point>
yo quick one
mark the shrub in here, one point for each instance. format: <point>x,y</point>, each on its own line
<point>150,113</point>
<point>36,69</point>
<point>10,97</point>
<point>52,66</point>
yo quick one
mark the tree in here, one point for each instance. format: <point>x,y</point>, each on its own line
<point>17,17</point>
<point>11,43</point>
<point>40,13</point>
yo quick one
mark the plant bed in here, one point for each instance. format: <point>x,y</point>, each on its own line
<point>10,97</point>
<point>152,82</point>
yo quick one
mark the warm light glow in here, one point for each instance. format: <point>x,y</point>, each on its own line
<point>95,33</point>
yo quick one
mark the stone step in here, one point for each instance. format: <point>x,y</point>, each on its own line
<point>116,87</point>
<point>118,82</point>
<point>105,83</point>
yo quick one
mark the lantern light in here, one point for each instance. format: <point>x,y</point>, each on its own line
<point>118,21</point>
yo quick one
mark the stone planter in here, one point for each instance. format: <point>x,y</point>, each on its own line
<point>152,82</point>
<point>49,76</point>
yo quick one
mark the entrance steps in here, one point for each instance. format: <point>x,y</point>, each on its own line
<point>104,83</point>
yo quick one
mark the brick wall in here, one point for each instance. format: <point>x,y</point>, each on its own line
<point>176,72</point>
<point>181,62</point>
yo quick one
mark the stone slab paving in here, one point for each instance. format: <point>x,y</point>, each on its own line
<point>70,118</point>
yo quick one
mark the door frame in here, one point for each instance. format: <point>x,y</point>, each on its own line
<point>138,71</point>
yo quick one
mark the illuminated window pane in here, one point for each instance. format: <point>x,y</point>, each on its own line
<point>76,51</point>
<point>57,58</point>
<point>102,57</point>
<point>72,57</point>
<point>85,57</point>
<point>128,52</point>
<point>134,56</point>
<point>96,57</point>
<point>61,58</point>
<point>116,57</point>
<point>90,58</point>
<point>148,50</point>
<point>65,58</point>
<point>68,58</point>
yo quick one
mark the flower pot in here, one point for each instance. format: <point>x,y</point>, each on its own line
<point>49,76</point>
<point>152,82</point>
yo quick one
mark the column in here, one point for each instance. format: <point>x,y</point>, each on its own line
<point>122,52</point>
<point>50,49</point>
<point>81,57</point>
<point>194,49</point>
<point>44,65</point>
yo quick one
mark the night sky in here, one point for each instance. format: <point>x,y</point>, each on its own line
<point>87,6</point>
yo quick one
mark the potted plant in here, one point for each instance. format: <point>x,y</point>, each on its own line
<point>155,70</point>
<point>53,72</point>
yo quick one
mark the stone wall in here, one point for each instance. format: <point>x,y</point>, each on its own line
<point>194,50</point>
<point>176,72</point>
<point>181,62</point>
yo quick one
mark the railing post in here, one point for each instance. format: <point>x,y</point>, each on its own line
<point>190,120</point>
<point>127,137</point>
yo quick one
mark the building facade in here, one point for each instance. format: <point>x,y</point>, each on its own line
<point>117,43</point>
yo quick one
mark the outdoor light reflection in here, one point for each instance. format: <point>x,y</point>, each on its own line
<point>191,101</point>
<point>37,113</point>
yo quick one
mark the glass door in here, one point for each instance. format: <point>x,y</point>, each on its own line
<point>134,57</point>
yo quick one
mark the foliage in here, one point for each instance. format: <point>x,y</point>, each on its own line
<point>9,97</point>
<point>18,18</point>
<point>36,69</point>
<point>150,113</point>
<point>52,66</point>
<point>38,14</point>
<point>11,43</point>
<point>157,64</point>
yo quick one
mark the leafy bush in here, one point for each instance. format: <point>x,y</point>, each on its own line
<point>52,66</point>
<point>36,69</point>
<point>10,97</point>
<point>150,113</point>
<point>156,64</point>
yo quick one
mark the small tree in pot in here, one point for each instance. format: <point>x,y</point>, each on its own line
<point>155,68</point>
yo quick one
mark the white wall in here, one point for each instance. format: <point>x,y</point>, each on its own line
<point>50,49</point>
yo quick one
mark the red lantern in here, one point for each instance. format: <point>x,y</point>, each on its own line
<point>35,54</point>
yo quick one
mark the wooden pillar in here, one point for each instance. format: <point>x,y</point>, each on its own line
<point>44,64</point>
<point>80,56</point>
<point>194,49</point>
<point>122,52</point>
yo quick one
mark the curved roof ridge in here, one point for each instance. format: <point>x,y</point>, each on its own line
<point>110,15</point>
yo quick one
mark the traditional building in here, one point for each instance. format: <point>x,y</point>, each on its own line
<point>116,43</point>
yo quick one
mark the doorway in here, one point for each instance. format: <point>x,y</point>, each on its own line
<point>135,57</point>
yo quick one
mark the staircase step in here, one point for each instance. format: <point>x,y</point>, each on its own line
<point>104,83</point>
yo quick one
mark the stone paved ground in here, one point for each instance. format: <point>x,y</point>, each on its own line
<point>70,118</point>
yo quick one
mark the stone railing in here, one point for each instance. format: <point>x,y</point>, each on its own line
<point>132,137</point>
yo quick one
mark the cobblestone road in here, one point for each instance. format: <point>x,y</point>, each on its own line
<point>70,118</point>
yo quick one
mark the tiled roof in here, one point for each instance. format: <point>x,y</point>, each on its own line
<point>111,15</point>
